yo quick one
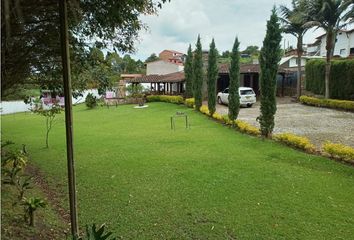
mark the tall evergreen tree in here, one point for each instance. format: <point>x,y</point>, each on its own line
<point>188,72</point>
<point>212,77</point>
<point>269,58</point>
<point>234,97</point>
<point>198,75</point>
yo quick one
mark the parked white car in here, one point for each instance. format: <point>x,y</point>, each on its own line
<point>247,96</point>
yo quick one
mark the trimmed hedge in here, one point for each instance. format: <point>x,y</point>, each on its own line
<point>165,98</point>
<point>295,141</point>
<point>339,151</point>
<point>189,102</point>
<point>329,103</point>
<point>341,85</point>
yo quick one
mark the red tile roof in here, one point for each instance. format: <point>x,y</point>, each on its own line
<point>244,68</point>
<point>154,78</point>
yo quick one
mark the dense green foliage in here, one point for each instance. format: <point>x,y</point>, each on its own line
<point>294,22</point>
<point>198,75</point>
<point>30,46</point>
<point>234,97</point>
<point>328,103</point>
<point>331,16</point>
<point>212,76</point>
<point>165,98</point>
<point>152,58</point>
<point>269,59</point>
<point>188,73</point>
<point>341,78</point>
<point>91,101</point>
<point>153,183</point>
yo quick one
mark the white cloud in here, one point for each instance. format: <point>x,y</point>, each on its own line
<point>180,21</point>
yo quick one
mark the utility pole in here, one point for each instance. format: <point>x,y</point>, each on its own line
<point>65,56</point>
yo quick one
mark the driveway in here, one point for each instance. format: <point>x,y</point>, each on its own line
<point>318,124</point>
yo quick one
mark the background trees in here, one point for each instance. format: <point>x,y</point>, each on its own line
<point>331,16</point>
<point>188,72</point>
<point>212,76</point>
<point>269,58</point>
<point>30,36</point>
<point>294,22</point>
<point>198,74</point>
<point>234,97</point>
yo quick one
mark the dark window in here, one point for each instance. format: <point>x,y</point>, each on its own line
<point>352,51</point>
<point>226,90</point>
<point>246,92</point>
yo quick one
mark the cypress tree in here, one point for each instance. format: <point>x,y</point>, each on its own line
<point>212,77</point>
<point>234,97</point>
<point>269,58</point>
<point>188,72</point>
<point>198,74</point>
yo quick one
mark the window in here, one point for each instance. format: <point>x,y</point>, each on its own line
<point>342,52</point>
<point>247,92</point>
<point>352,51</point>
<point>226,90</point>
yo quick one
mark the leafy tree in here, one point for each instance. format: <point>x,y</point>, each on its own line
<point>294,22</point>
<point>198,74</point>
<point>91,101</point>
<point>49,115</point>
<point>226,54</point>
<point>212,75</point>
<point>30,35</point>
<point>30,206</point>
<point>188,72</point>
<point>269,58</point>
<point>331,16</point>
<point>251,50</point>
<point>234,97</point>
<point>152,58</point>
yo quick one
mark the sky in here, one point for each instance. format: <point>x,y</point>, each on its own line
<point>179,22</point>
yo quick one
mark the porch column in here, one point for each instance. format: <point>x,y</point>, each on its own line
<point>164,88</point>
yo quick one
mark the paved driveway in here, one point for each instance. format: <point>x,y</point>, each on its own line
<point>318,124</point>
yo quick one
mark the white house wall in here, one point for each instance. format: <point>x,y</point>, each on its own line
<point>344,42</point>
<point>162,67</point>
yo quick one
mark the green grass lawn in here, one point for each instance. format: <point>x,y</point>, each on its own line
<point>208,182</point>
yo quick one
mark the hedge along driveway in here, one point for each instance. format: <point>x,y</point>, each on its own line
<point>318,124</point>
<point>207,182</point>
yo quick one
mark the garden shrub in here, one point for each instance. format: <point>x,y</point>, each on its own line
<point>165,98</point>
<point>91,101</point>
<point>329,103</point>
<point>339,151</point>
<point>247,128</point>
<point>204,109</point>
<point>341,85</point>
<point>189,102</point>
<point>295,141</point>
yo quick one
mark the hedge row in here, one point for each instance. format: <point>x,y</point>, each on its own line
<point>341,84</point>
<point>165,98</point>
<point>329,103</point>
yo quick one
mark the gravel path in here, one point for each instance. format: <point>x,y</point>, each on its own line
<point>318,124</point>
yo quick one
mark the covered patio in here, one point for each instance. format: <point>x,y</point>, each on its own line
<point>167,84</point>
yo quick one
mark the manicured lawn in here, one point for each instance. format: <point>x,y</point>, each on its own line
<point>208,182</point>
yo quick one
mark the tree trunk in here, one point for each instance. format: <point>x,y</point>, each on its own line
<point>47,134</point>
<point>329,47</point>
<point>299,54</point>
<point>31,216</point>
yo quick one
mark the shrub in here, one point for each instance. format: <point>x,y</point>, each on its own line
<point>341,85</point>
<point>165,98</point>
<point>218,117</point>
<point>30,206</point>
<point>189,102</point>
<point>91,101</point>
<point>330,103</point>
<point>339,151</point>
<point>247,128</point>
<point>295,141</point>
<point>204,109</point>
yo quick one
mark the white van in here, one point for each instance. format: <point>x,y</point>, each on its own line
<point>247,96</point>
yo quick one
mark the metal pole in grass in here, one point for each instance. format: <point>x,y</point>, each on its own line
<point>64,42</point>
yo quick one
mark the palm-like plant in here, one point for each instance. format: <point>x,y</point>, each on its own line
<point>331,16</point>
<point>294,22</point>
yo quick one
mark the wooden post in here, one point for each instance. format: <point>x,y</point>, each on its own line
<point>64,42</point>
